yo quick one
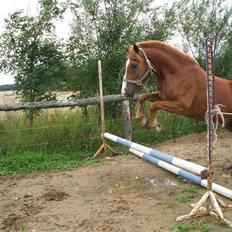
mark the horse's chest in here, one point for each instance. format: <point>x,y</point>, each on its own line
<point>173,87</point>
<point>166,90</point>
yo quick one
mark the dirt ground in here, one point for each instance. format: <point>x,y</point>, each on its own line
<point>123,193</point>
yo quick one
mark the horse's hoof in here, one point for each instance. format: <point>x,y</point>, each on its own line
<point>145,123</point>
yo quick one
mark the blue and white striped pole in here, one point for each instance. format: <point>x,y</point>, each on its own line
<point>182,173</point>
<point>183,164</point>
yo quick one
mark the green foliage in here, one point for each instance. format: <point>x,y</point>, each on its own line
<point>100,30</point>
<point>198,20</point>
<point>224,60</point>
<point>30,52</point>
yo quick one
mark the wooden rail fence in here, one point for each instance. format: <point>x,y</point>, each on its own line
<point>78,103</point>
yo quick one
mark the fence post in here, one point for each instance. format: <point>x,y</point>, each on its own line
<point>104,145</point>
<point>127,129</point>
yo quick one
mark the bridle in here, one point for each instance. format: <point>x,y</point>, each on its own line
<point>150,69</point>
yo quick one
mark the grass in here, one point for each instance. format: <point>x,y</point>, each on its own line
<point>171,205</point>
<point>189,194</point>
<point>195,226</point>
<point>63,140</point>
<point>26,162</point>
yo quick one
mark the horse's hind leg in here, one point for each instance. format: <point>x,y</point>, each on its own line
<point>140,106</point>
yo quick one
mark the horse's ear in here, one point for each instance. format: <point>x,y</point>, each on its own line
<point>136,48</point>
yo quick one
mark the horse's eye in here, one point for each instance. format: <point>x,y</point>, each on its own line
<point>134,66</point>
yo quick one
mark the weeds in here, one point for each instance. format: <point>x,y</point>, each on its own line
<point>25,162</point>
<point>65,138</point>
<point>171,205</point>
<point>189,194</point>
<point>195,226</point>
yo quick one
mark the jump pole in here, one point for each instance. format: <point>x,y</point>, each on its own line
<point>151,156</point>
<point>183,164</point>
<point>213,203</point>
<point>104,145</point>
<point>182,173</point>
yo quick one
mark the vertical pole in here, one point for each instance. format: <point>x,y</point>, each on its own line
<point>210,106</point>
<point>104,145</point>
<point>127,129</point>
<point>213,207</point>
<point>103,123</point>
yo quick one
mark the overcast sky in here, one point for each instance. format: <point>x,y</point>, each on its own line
<point>30,7</point>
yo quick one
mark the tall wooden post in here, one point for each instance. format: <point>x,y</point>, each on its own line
<point>104,145</point>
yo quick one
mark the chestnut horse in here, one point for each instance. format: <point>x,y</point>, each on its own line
<point>181,84</point>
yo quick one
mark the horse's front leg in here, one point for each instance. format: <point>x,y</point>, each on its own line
<point>173,107</point>
<point>140,106</point>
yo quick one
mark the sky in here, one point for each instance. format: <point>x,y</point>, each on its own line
<point>31,7</point>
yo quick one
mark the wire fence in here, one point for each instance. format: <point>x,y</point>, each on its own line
<point>83,134</point>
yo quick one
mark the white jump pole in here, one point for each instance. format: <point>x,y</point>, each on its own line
<point>183,164</point>
<point>182,173</point>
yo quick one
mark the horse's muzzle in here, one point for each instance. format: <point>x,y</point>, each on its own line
<point>128,89</point>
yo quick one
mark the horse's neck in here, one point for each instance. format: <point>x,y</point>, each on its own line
<point>162,61</point>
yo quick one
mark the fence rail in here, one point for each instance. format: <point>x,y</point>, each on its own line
<point>63,103</point>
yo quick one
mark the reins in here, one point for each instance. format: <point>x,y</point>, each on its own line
<point>150,69</point>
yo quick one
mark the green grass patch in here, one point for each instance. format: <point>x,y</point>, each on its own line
<point>189,194</point>
<point>26,162</point>
<point>195,226</point>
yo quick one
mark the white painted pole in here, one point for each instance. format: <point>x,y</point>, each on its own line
<point>184,174</point>
<point>183,164</point>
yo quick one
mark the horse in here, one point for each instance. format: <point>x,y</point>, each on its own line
<point>181,84</point>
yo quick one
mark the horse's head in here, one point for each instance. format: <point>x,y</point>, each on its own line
<point>137,70</point>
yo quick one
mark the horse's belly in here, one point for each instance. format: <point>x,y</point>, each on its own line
<point>197,110</point>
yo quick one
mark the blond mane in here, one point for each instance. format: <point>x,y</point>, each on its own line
<point>167,47</point>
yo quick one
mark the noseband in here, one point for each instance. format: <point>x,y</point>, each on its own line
<point>150,69</point>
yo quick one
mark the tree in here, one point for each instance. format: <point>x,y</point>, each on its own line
<point>100,30</point>
<point>29,51</point>
<point>196,20</point>
<point>224,60</point>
